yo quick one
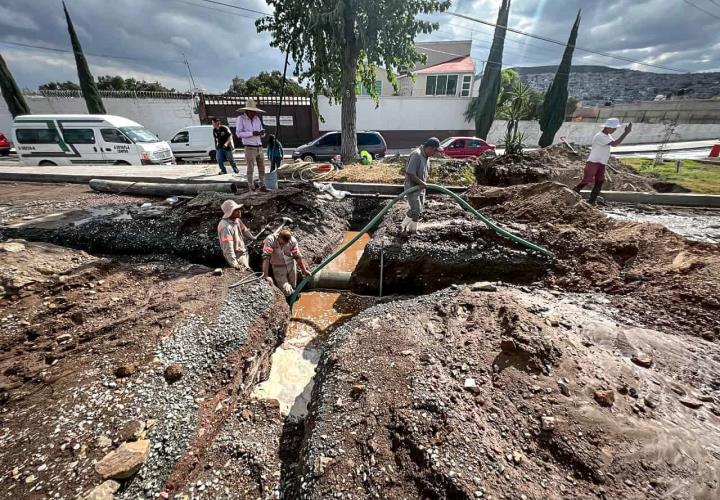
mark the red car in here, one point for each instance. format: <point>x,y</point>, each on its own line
<point>464,147</point>
<point>4,145</point>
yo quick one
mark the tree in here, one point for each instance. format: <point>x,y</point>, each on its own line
<point>265,84</point>
<point>490,83</point>
<point>556,98</point>
<point>117,82</point>
<point>11,92</point>
<point>90,91</point>
<point>59,86</point>
<point>336,43</point>
<point>518,106</point>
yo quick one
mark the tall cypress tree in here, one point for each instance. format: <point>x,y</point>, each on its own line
<point>555,104</point>
<point>486,102</point>
<point>11,92</point>
<point>87,82</point>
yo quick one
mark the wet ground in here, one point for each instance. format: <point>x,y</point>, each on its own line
<point>695,224</point>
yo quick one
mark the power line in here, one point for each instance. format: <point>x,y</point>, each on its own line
<point>237,7</point>
<point>107,56</point>
<point>558,42</point>
<point>701,9</point>
<point>215,9</point>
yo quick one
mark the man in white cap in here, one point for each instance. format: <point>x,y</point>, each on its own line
<point>282,252</point>
<point>249,128</point>
<point>600,155</point>
<point>231,231</point>
<point>416,174</point>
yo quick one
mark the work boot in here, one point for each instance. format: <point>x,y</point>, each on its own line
<point>405,223</point>
<point>412,227</point>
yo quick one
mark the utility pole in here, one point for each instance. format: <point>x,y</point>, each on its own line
<point>192,80</point>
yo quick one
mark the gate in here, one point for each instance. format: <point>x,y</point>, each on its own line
<point>298,120</point>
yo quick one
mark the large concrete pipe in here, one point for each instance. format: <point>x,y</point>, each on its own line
<point>159,189</point>
<point>333,280</point>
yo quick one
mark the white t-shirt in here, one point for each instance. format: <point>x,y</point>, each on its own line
<point>600,152</point>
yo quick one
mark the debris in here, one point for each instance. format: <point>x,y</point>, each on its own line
<point>642,360</point>
<point>650,402</point>
<point>218,271</point>
<point>173,373</point>
<point>357,390</point>
<point>104,491</point>
<point>103,442</point>
<point>126,370</point>
<point>132,431</point>
<point>564,385</point>
<point>483,286</point>
<point>605,398</point>
<point>547,423</point>
<point>471,385</point>
<point>691,402</point>
<point>125,461</point>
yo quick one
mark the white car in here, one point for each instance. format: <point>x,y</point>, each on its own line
<point>194,142</point>
<point>49,140</point>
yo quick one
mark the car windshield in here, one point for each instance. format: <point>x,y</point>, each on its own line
<point>446,142</point>
<point>139,134</point>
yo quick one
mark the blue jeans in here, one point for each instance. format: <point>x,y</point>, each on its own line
<point>222,155</point>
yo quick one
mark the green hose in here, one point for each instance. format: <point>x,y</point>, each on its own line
<point>370,225</point>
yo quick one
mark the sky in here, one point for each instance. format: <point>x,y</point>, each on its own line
<point>149,39</point>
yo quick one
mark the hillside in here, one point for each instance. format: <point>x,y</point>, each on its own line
<point>598,84</point>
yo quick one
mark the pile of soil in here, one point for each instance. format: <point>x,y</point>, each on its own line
<point>464,394</point>
<point>646,269</point>
<point>451,246</point>
<point>557,163</point>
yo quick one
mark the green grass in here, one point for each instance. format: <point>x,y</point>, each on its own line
<point>695,176</point>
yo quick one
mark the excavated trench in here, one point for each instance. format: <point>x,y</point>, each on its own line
<point>249,419</point>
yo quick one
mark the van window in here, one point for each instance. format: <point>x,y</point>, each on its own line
<point>329,140</point>
<point>79,136</point>
<point>139,134</point>
<point>183,136</point>
<point>37,136</point>
<point>368,140</point>
<point>114,135</point>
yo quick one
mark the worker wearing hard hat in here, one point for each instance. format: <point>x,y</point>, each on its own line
<point>231,231</point>
<point>416,175</point>
<point>282,252</point>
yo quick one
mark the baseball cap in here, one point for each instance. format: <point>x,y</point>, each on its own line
<point>433,142</point>
<point>612,123</point>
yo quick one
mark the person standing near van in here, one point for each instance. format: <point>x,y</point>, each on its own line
<point>224,146</point>
<point>275,155</point>
<point>249,128</point>
<point>594,172</point>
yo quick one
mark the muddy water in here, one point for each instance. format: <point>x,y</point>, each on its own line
<point>694,224</point>
<point>315,314</point>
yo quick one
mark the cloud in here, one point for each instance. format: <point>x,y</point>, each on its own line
<point>221,42</point>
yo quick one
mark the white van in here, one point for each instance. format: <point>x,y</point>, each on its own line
<point>194,142</point>
<point>86,140</point>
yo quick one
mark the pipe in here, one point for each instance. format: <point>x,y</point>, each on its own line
<point>374,222</point>
<point>334,280</point>
<point>159,189</point>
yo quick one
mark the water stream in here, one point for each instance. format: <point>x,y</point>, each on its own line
<point>314,315</point>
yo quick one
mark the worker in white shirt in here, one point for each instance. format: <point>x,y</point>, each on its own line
<point>249,128</point>
<point>231,231</point>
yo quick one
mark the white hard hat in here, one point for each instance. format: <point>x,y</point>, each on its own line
<point>612,123</point>
<point>228,207</point>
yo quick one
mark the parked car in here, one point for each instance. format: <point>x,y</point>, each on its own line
<point>4,145</point>
<point>327,146</point>
<point>464,147</point>
<point>48,140</point>
<point>194,142</point>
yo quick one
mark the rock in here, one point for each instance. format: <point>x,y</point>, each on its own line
<point>706,398</point>
<point>357,389</point>
<point>173,373</point>
<point>691,403</point>
<point>65,337</point>
<point>547,423</point>
<point>132,431</point>
<point>103,442</point>
<point>127,370</point>
<point>471,385</point>
<point>125,461</point>
<point>605,398</point>
<point>483,286</point>
<point>104,491</point>
<point>246,414</point>
<point>320,464</point>
<point>517,457</point>
<point>642,360</point>
<point>564,387</point>
<point>650,402</point>
<point>218,271</point>
<point>12,247</point>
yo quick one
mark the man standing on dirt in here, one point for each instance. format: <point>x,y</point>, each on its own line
<point>224,146</point>
<point>282,252</point>
<point>231,231</point>
<point>249,128</point>
<point>416,174</point>
<point>600,155</point>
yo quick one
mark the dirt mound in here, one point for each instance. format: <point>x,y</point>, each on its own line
<point>190,230</point>
<point>466,394</point>
<point>451,247</point>
<point>647,269</point>
<point>557,163</point>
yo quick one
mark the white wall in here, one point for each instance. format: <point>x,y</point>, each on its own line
<point>162,116</point>
<point>438,114</point>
